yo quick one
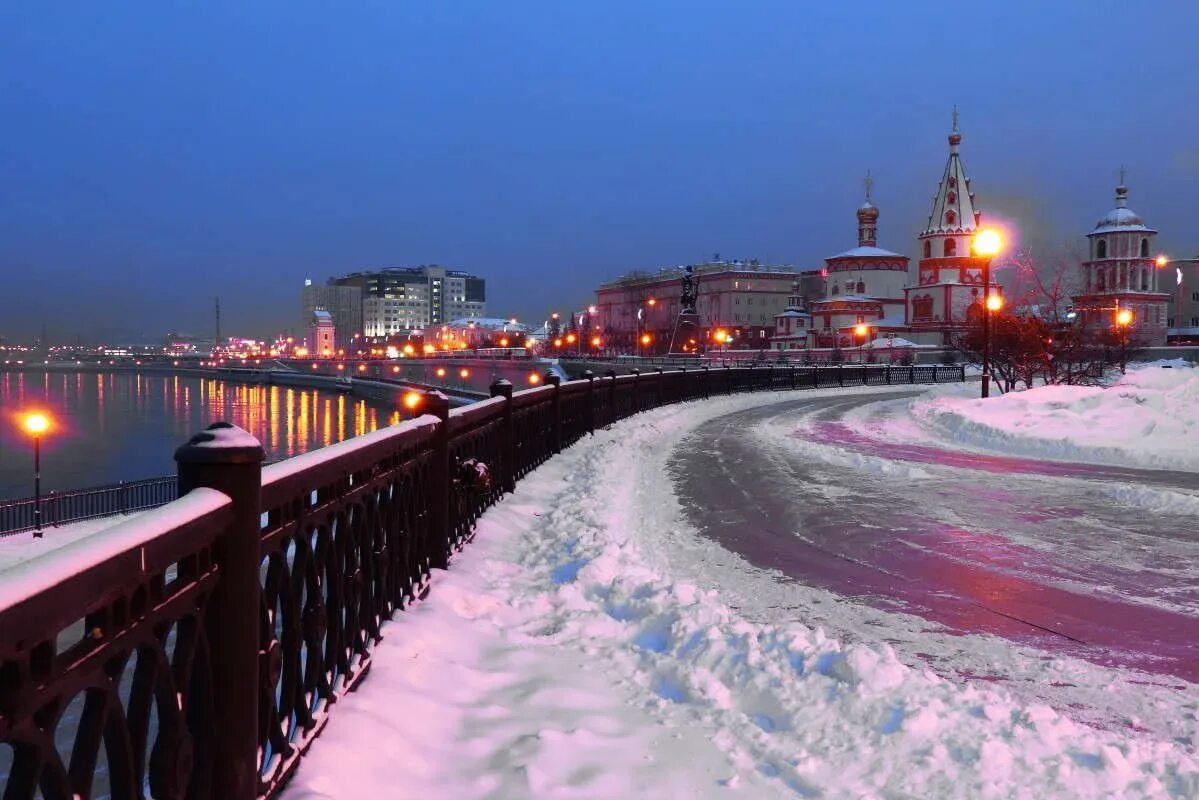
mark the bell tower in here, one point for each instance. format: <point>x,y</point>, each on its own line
<point>949,276</point>
<point>1121,272</point>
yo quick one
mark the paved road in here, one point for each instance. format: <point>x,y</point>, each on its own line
<point>1038,552</point>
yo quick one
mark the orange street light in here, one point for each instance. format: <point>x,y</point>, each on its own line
<point>651,302</point>
<point>36,424</point>
<point>994,302</point>
<point>1161,261</point>
<point>534,378</point>
<point>1124,317</point>
<point>557,343</point>
<point>571,338</point>
<point>412,400</point>
<point>987,242</point>
<point>441,372</point>
<point>464,373</point>
<point>861,329</point>
<point>504,342</point>
<point>529,343</point>
<point>596,341</point>
<point>646,338</point>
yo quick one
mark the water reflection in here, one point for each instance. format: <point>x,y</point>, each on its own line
<point>114,427</point>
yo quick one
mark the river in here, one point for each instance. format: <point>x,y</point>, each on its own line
<point>110,427</point>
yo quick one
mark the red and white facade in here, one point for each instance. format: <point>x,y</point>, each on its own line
<point>949,279</point>
<point>1121,273</point>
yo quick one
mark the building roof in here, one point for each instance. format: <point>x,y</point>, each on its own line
<point>953,206</point>
<point>489,323</point>
<point>847,298</point>
<point>675,273</point>
<point>867,251</point>
<point>1120,218</point>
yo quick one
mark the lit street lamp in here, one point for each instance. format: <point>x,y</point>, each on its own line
<point>1123,320</point>
<point>860,332</point>
<point>987,243</point>
<point>35,425</point>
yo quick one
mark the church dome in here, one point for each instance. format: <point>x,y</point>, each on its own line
<point>1120,218</point>
<point>867,211</point>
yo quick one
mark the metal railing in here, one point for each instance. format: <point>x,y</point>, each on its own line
<point>203,645</point>
<point>59,508</point>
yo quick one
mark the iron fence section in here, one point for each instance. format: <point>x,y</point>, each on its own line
<point>169,641</point>
<point>59,508</point>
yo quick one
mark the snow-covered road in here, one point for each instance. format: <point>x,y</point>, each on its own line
<point>594,642</point>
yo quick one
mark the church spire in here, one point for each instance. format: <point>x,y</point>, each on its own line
<point>953,206</point>
<point>867,216</point>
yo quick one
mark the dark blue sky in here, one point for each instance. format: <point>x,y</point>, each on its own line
<point>154,154</point>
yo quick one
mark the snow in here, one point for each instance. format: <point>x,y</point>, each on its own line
<point>18,547</point>
<point>893,341</point>
<point>1147,418</point>
<point>49,569</point>
<point>867,251</point>
<point>589,643</point>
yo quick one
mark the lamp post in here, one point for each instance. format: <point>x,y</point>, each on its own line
<point>1123,320</point>
<point>35,425</point>
<point>860,332</point>
<point>987,243</point>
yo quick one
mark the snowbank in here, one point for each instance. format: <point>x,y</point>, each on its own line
<point>1147,418</point>
<point>559,657</point>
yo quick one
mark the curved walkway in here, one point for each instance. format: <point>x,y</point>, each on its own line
<point>1037,552</point>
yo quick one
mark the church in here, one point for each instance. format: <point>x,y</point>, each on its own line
<point>872,299</point>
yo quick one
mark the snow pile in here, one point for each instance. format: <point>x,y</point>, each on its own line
<point>1148,418</point>
<point>560,657</point>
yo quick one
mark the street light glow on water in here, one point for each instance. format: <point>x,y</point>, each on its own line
<point>123,427</point>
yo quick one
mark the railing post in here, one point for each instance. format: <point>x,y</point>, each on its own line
<point>226,458</point>
<point>503,388</point>
<point>707,377</point>
<point>728,379</point>
<point>438,405</point>
<point>590,377</point>
<point>611,375</point>
<point>658,388</point>
<point>888,369</point>
<point>841,375</point>
<point>636,373</point>
<point>556,408</point>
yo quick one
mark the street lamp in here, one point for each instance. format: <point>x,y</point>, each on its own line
<point>860,332</point>
<point>1123,320</point>
<point>987,243</point>
<point>36,424</point>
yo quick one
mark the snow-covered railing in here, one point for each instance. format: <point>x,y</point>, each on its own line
<point>203,645</point>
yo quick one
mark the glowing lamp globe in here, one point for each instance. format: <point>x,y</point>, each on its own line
<point>994,302</point>
<point>1161,261</point>
<point>861,330</point>
<point>36,424</point>
<point>987,242</point>
<point>1123,317</point>
<point>412,400</point>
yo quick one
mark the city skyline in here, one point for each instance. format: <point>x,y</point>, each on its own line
<point>181,155</point>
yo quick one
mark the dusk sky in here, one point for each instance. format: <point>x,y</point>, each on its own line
<point>156,154</point>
